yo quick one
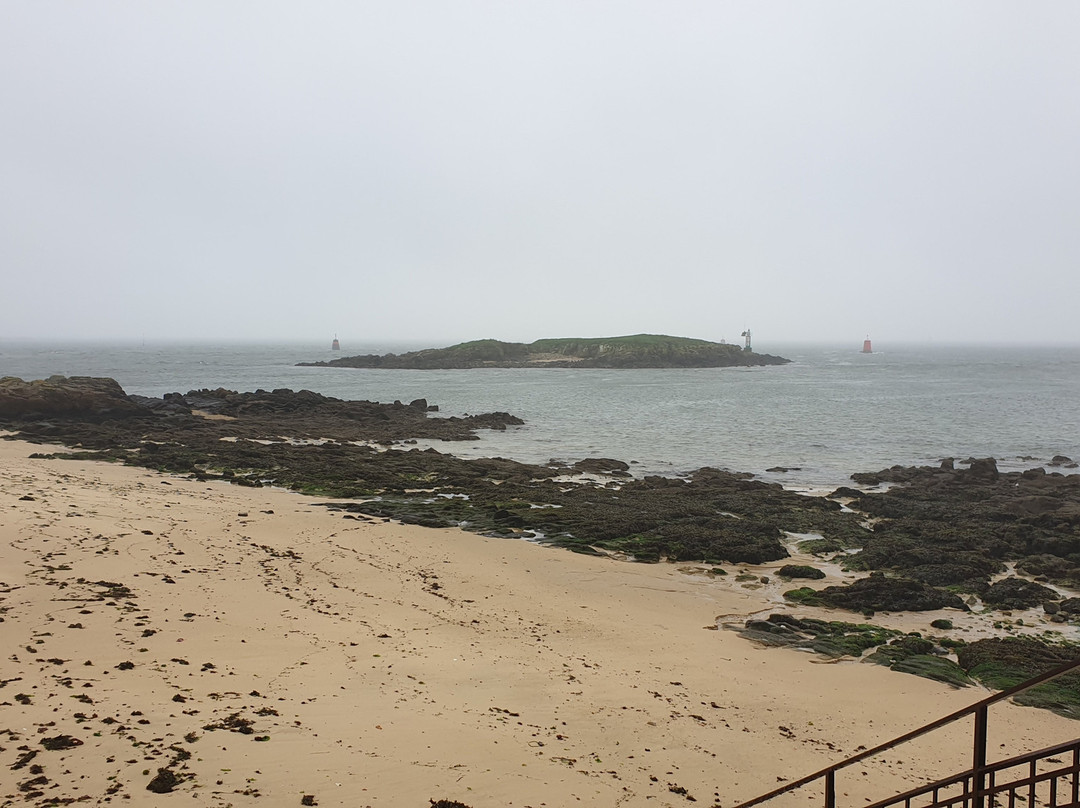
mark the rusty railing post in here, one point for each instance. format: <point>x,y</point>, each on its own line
<point>978,759</point>
<point>830,789</point>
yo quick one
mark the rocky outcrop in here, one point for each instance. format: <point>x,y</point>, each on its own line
<point>1016,593</point>
<point>319,445</point>
<point>91,412</point>
<point>1063,462</point>
<point>603,465</point>
<point>959,526</point>
<point>77,396</point>
<point>878,593</point>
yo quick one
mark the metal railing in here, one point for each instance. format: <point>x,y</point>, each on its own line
<point>1027,785</point>
<point>978,782</point>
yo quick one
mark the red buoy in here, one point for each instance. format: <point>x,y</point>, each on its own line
<point>866,346</point>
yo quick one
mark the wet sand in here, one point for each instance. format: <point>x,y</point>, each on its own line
<point>265,649</point>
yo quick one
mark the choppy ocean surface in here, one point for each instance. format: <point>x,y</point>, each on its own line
<point>833,411</point>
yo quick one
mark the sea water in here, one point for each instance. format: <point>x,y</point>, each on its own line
<point>831,412</point>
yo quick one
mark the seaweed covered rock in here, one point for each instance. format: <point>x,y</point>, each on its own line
<point>1017,593</point>
<point>1051,568</point>
<point>913,550</point>
<point>218,434</point>
<point>932,667</point>
<point>906,653</point>
<point>878,593</point>
<point>951,526</point>
<point>832,638</point>
<point>800,571</point>
<point>1001,663</point>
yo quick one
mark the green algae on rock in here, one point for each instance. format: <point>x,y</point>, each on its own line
<point>879,593</point>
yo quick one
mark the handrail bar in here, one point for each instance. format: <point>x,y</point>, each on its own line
<point>915,733</point>
<point>991,767</point>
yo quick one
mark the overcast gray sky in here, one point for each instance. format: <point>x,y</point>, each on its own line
<point>444,171</point>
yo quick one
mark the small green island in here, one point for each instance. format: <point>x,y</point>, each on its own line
<point>637,351</point>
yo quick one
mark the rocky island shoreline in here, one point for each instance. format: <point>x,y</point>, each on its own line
<point>638,351</point>
<point>958,573</point>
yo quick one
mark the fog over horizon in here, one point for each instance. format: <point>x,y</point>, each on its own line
<point>424,173</point>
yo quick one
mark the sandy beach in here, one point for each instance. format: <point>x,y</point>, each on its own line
<point>271,651</point>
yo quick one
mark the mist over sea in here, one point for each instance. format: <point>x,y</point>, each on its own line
<point>833,411</point>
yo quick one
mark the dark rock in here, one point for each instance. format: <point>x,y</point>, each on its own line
<point>800,571</point>
<point>1051,567</point>
<point>1070,606</point>
<point>957,528</point>
<point>83,396</point>
<point>164,782</point>
<point>508,519</point>
<point>256,416</point>
<point>1017,593</point>
<point>879,593</point>
<point>601,465</point>
<point>843,492</point>
<point>984,469</point>
<point>169,404</point>
<point>1034,505</point>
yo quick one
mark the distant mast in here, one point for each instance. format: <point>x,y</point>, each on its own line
<point>335,345</point>
<point>866,346</point>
